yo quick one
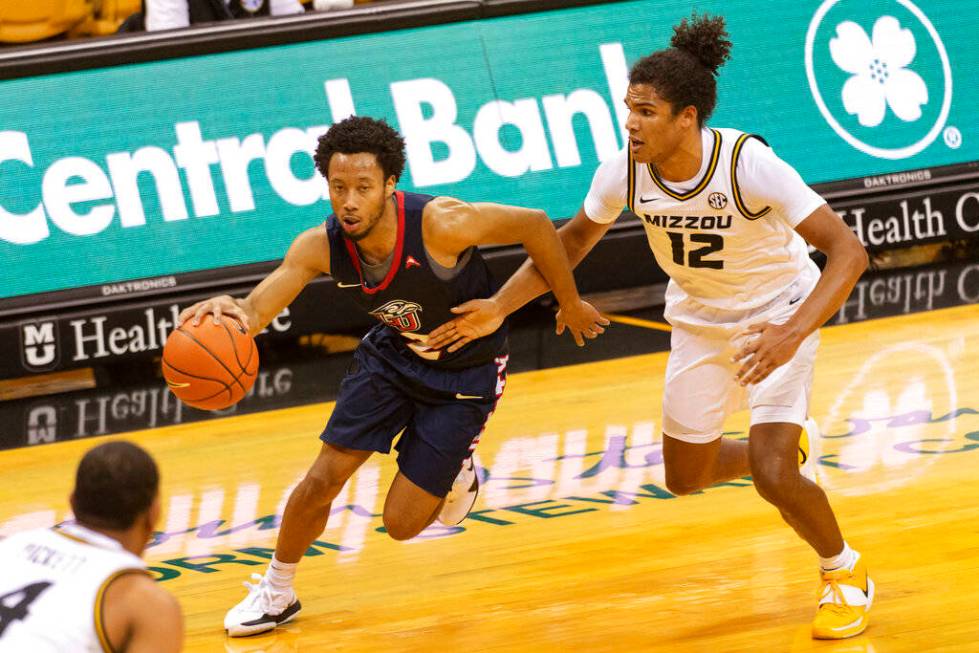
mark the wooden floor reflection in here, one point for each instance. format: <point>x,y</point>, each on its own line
<point>575,543</point>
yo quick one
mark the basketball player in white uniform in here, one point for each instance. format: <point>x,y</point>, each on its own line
<point>728,221</point>
<point>82,587</point>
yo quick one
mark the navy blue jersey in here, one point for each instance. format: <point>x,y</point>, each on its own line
<point>412,299</point>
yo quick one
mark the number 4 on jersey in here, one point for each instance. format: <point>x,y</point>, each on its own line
<point>713,243</point>
<point>13,606</point>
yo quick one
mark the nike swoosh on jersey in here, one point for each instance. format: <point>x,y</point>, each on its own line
<point>462,396</point>
<point>348,285</point>
<point>645,200</point>
<point>793,301</point>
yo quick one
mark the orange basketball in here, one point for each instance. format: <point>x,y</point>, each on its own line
<point>210,366</point>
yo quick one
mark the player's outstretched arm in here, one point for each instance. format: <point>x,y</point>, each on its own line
<point>139,616</point>
<point>452,226</point>
<point>307,258</point>
<point>479,317</point>
<point>578,236</point>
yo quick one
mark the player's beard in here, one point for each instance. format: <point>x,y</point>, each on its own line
<point>371,223</point>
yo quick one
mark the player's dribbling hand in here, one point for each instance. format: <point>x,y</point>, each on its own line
<point>477,318</point>
<point>216,306</point>
<point>583,321</point>
<point>769,347</point>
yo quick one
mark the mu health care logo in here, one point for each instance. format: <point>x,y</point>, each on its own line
<point>39,345</point>
<point>880,75</point>
<point>400,314</point>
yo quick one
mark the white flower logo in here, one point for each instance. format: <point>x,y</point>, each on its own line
<point>880,77</point>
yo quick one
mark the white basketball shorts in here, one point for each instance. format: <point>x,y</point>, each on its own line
<point>701,389</point>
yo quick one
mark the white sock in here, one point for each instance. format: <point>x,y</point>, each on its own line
<point>845,558</point>
<point>280,574</point>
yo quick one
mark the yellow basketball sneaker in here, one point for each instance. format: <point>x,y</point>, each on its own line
<point>845,598</point>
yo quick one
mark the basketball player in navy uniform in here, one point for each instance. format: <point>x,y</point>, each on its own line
<point>728,221</point>
<point>407,259</point>
<point>82,586</point>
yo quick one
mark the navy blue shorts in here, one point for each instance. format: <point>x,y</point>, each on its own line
<point>388,389</point>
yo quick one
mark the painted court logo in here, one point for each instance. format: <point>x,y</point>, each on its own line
<point>880,75</point>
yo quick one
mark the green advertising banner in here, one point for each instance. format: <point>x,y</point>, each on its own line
<point>205,162</point>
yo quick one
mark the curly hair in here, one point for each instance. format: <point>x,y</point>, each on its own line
<point>361,134</point>
<point>685,73</point>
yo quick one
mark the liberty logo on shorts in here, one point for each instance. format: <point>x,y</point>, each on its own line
<point>400,314</point>
<point>717,200</point>
<point>880,76</point>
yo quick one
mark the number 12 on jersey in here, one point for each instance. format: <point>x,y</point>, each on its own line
<point>712,243</point>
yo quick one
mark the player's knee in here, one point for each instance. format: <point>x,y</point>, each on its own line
<point>680,484</point>
<point>686,467</point>
<point>318,490</point>
<point>767,489</point>
<point>400,529</point>
<point>774,483</point>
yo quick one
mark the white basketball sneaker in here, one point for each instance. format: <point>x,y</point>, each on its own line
<point>262,610</point>
<point>461,498</point>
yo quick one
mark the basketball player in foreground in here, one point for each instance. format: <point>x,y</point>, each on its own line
<point>82,586</point>
<point>406,259</point>
<point>728,221</point>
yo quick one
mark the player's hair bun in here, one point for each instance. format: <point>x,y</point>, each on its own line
<point>704,37</point>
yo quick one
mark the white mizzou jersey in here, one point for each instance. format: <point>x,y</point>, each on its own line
<point>52,582</point>
<point>726,238</point>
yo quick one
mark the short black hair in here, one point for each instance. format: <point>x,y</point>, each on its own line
<point>685,73</point>
<point>115,483</point>
<point>362,134</point>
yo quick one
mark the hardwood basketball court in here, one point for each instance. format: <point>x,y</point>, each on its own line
<point>575,543</point>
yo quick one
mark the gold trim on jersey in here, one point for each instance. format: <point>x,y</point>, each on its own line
<point>738,201</point>
<point>74,538</point>
<point>631,197</point>
<point>99,598</point>
<point>702,184</point>
<point>82,540</point>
